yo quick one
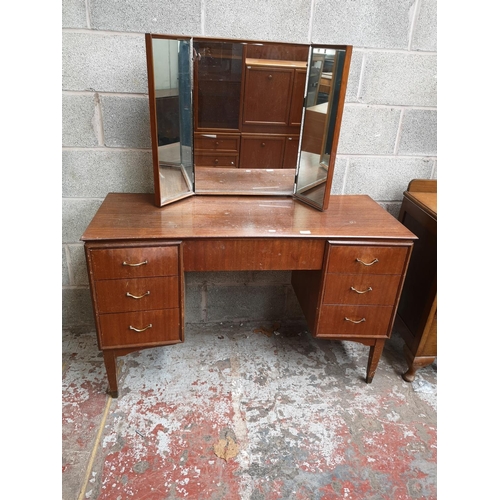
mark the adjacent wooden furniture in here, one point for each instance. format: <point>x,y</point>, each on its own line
<point>348,264</point>
<point>418,305</point>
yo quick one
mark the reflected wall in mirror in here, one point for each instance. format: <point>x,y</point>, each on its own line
<point>169,79</point>
<point>326,86</point>
<point>248,102</point>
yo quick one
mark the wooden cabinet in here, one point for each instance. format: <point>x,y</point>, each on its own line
<point>418,306</point>
<point>347,277</point>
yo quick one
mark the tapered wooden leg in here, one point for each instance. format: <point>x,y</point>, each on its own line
<point>373,359</point>
<point>110,364</point>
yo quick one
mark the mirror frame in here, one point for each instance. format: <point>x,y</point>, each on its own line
<point>336,128</point>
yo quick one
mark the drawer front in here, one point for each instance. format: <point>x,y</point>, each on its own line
<point>362,321</point>
<point>229,143</point>
<point>253,254</point>
<point>215,160</point>
<point>159,327</point>
<point>361,289</point>
<point>137,294</point>
<point>263,151</point>
<point>135,262</point>
<point>354,259</point>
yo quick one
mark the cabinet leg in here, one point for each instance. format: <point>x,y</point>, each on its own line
<point>373,359</point>
<point>110,364</point>
<point>415,363</point>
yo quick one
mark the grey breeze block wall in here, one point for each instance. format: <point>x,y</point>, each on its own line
<point>388,132</point>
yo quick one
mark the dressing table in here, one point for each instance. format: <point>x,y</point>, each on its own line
<point>229,196</point>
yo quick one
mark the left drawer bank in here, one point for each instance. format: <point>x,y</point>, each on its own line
<point>137,293</point>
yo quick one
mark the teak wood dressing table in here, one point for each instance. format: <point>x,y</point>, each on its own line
<point>348,264</point>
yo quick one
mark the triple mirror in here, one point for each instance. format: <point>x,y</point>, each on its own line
<point>244,118</point>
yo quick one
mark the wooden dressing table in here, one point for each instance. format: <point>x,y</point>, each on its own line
<point>348,264</point>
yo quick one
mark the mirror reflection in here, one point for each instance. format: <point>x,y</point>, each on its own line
<point>172,87</point>
<point>322,104</point>
<point>248,102</point>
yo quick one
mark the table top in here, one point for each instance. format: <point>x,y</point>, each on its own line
<point>127,216</point>
<point>428,201</point>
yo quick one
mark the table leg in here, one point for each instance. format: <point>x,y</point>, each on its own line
<point>414,363</point>
<point>373,359</point>
<point>110,364</point>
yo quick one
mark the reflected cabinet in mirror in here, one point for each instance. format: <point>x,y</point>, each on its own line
<point>243,117</point>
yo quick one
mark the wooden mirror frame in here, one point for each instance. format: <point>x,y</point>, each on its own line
<point>336,128</point>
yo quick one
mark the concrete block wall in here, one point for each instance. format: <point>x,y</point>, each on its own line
<point>388,137</point>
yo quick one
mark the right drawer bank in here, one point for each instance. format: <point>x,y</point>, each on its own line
<point>356,293</point>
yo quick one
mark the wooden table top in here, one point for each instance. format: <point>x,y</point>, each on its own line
<point>126,216</point>
<point>428,201</point>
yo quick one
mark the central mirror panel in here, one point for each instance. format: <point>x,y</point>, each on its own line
<point>248,101</point>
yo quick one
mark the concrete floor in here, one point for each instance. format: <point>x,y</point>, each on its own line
<point>237,414</point>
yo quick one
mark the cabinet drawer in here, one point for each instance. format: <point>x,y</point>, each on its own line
<point>363,321</point>
<point>262,151</point>
<point>224,160</point>
<point>159,327</point>
<point>361,289</point>
<point>135,262</point>
<point>217,142</point>
<point>366,259</point>
<point>137,294</point>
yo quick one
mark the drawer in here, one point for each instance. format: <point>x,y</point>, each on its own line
<point>223,160</point>
<point>135,262</point>
<point>361,289</point>
<point>217,142</point>
<point>363,321</point>
<point>159,327</point>
<point>137,294</point>
<point>354,259</point>
<point>262,151</point>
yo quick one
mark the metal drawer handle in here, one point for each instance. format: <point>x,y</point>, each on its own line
<point>128,294</point>
<point>134,265</point>
<point>374,261</point>
<point>354,321</point>
<point>140,329</point>
<point>369,289</point>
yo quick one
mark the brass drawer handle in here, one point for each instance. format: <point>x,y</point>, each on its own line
<point>134,265</point>
<point>374,261</point>
<point>369,289</point>
<point>128,294</point>
<point>354,321</point>
<point>140,329</point>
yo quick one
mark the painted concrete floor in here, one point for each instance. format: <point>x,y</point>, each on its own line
<point>237,414</point>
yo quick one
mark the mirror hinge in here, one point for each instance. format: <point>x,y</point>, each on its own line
<point>296,178</point>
